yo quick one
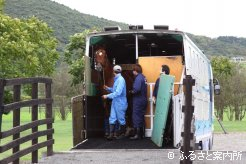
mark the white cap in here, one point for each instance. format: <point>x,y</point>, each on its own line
<point>117,68</point>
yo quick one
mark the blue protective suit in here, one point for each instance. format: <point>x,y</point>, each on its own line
<point>119,103</point>
<point>139,100</point>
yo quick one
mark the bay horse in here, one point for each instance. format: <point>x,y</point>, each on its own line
<point>105,68</point>
<point>103,65</point>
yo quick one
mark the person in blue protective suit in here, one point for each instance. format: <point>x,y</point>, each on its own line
<point>119,103</point>
<point>139,93</point>
<point>164,70</point>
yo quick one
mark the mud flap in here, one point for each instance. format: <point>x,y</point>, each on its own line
<point>162,107</point>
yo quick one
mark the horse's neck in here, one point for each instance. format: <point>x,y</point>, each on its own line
<point>108,75</point>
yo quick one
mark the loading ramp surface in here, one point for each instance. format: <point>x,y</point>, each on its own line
<point>222,143</point>
<point>126,143</point>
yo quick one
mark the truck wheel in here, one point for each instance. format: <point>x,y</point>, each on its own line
<point>200,146</point>
<point>210,143</point>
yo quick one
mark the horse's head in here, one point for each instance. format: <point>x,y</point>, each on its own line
<point>101,59</point>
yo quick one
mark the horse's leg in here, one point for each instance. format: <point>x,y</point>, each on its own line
<point>129,124</point>
<point>129,82</point>
<point>107,107</point>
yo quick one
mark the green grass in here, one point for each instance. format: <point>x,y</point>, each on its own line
<point>63,133</point>
<point>230,126</point>
<point>244,64</point>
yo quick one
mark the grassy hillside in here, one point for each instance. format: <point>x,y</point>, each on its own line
<point>66,22</point>
<point>62,19</point>
<point>223,45</point>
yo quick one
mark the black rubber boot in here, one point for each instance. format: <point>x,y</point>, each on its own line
<point>142,132</point>
<point>111,132</point>
<point>122,129</point>
<point>122,132</point>
<point>137,134</point>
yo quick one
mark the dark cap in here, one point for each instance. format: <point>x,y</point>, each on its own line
<point>165,68</point>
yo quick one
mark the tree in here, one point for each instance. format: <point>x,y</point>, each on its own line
<point>222,66</point>
<point>74,53</point>
<point>1,6</point>
<point>28,48</point>
<point>63,91</point>
<point>237,90</point>
<point>222,70</point>
<point>232,79</point>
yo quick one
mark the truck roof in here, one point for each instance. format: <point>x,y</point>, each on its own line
<point>136,32</point>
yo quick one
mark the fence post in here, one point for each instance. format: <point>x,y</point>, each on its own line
<point>2,84</point>
<point>49,115</point>
<point>16,119</point>
<point>34,118</point>
<point>188,110</point>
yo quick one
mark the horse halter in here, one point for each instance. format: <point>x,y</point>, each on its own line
<point>100,59</point>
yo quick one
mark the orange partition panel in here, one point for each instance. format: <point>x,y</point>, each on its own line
<point>152,66</point>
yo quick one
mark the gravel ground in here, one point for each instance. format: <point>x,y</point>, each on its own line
<point>225,151</point>
<point>231,141</point>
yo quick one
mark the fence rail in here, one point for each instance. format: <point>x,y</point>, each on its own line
<point>16,106</point>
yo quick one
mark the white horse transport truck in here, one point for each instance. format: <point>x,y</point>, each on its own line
<point>151,48</point>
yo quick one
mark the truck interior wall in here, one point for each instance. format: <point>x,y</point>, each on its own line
<point>152,67</point>
<point>122,51</point>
